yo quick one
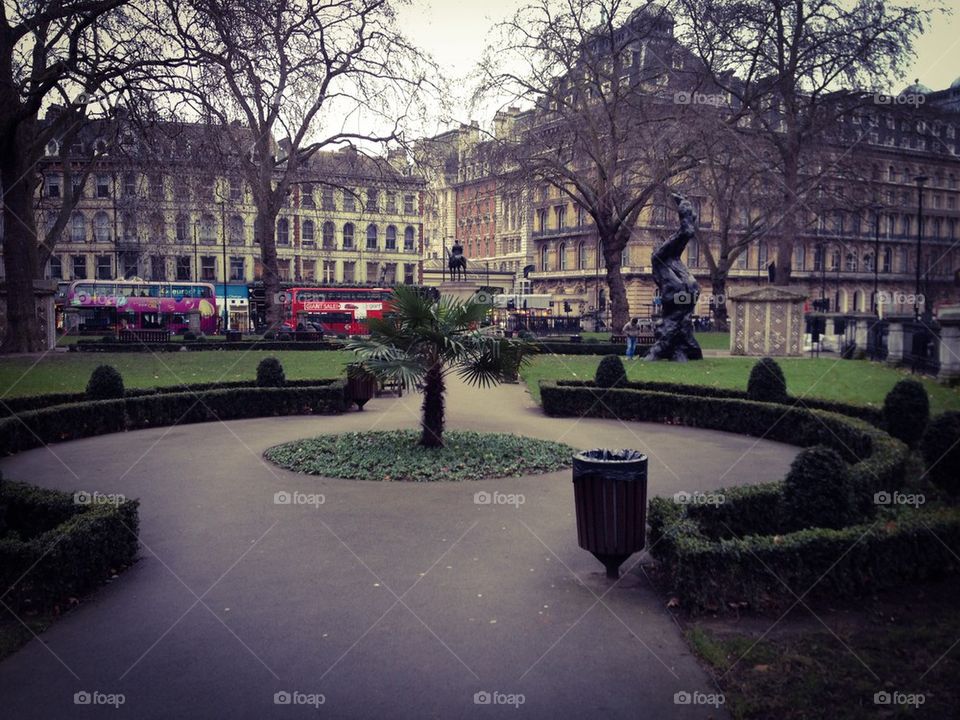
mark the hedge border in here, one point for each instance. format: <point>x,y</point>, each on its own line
<point>86,545</point>
<point>873,415</point>
<point>709,569</point>
<point>72,421</point>
<point>199,345</point>
<point>26,403</point>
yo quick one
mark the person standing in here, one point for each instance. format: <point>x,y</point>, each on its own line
<point>632,331</point>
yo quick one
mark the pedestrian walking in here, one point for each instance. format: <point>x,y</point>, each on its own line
<point>632,331</point>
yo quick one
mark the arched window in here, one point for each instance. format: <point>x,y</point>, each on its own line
<point>581,255</point>
<point>371,237</point>
<point>625,257</point>
<point>328,234</point>
<point>391,242</point>
<point>818,258</point>
<point>562,257</point>
<point>835,260</point>
<point>78,227</point>
<point>308,235</point>
<point>129,227</point>
<point>868,262</point>
<point>283,231</point>
<point>158,229</point>
<point>237,231</point>
<point>183,229</point>
<point>857,301</point>
<point>408,239</point>
<point>347,235</point>
<point>851,261</point>
<point>799,257</point>
<point>693,254</point>
<point>101,227</point>
<point>887,265</point>
<point>53,148</point>
<point>208,229</point>
<point>544,259</point>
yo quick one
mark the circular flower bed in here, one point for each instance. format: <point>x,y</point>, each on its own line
<point>394,455</point>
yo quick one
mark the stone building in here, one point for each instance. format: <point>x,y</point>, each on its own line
<point>169,204</point>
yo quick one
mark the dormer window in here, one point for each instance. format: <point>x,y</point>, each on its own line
<point>53,148</point>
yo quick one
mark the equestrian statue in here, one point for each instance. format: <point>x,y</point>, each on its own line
<point>457,263</point>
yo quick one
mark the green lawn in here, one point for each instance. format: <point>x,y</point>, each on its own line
<point>69,372</point>
<point>853,381</point>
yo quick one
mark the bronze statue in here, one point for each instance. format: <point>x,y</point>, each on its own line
<point>457,263</point>
<point>678,292</point>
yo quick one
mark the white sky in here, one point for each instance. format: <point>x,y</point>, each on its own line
<point>455,33</point>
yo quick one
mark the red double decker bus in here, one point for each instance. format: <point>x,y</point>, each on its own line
<point>333,310</point>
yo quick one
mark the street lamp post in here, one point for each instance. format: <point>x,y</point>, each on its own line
<point>223,232</point>
<point>876,257</point>
<point>196,268</point>
<point>920,180</point>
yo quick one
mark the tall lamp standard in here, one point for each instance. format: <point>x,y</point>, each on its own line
<point>223,233</point>
<point>196,267</point>
<point>920,180</point>
<point>876,207</point>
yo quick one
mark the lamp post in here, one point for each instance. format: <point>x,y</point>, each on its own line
<point>876,207</point>
<point>920,180</point>
<point>223,232</point>
<point>196,268</point>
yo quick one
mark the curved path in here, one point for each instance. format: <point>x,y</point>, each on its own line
<point>389,600</point>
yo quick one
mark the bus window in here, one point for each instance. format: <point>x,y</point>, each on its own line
<point>150,321</point>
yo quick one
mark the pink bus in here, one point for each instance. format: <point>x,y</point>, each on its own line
<point>114,305</point>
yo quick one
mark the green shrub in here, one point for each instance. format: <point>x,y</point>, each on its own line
<point>817,491</point>
<point>270,373</point>
<point>941,451</point>
<point>109,338</point>
<point>766,382</point>
<point>189,335</point>
<point>146,409</point>
<point>906,411</point>
<point>62,549</point>
<point>610,373</point>
<point>105,384</point>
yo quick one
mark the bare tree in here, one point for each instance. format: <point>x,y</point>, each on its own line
<point>792,67</point>
<point>605,130</point>
<point>68,52</point>
<point>284,79</point>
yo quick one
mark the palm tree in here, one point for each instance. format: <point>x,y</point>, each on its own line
<point>421,340</point>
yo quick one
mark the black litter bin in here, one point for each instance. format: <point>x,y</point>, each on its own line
<point>610,493</point>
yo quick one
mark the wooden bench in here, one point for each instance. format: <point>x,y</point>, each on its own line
<point>622,339</point>
<point>145,336</point>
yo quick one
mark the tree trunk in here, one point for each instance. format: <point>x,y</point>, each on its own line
<point>788,233</point>
<point>432,420</point>
<point>619,310</point>
<point>264,229</point>
<point>20,255</point>
<point>719,301</point>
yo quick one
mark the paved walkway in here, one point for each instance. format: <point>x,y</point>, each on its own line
<point>390,600</point>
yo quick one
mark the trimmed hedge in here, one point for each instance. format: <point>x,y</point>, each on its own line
<point>709,552</point>
<point>872,415</point>
<point>713,575</point>
<point>78,420</point>
<point>105,384</point>
<point>199,345</point>
<point>18,405</point>
<point>58,549</point>
<point>767,382</point>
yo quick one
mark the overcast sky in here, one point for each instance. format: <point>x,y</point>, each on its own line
<point>455,32</point>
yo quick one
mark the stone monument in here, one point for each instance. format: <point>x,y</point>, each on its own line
<point>767,322</point>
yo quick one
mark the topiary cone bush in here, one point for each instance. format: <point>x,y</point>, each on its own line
<point>818,491</point>
<point>610,373</point>
<point>940,446</point>
<point>766,382</point>
<point>270,373</point>
<point>105,384</point>
<point>906,411</point>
